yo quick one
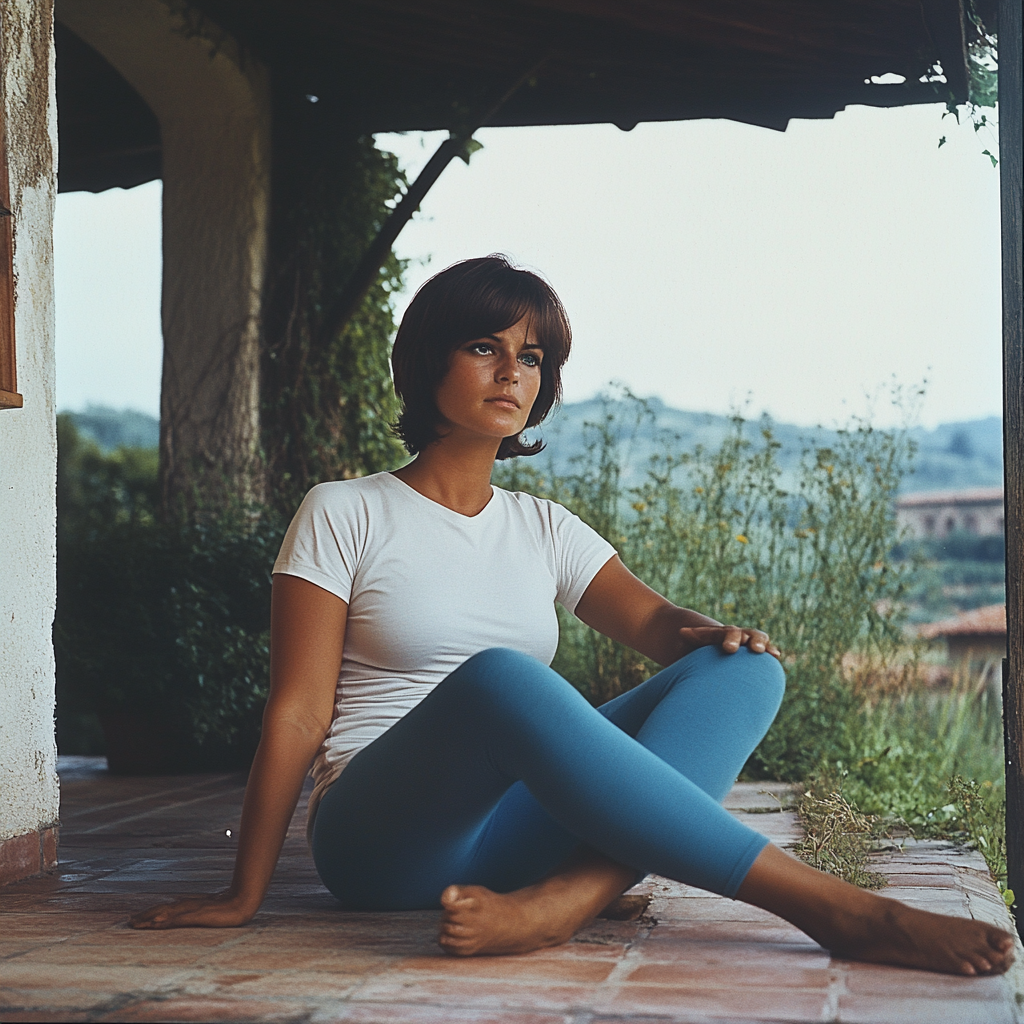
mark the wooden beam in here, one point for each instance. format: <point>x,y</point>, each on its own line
<point>945,21</point>
<point>1011,187</point>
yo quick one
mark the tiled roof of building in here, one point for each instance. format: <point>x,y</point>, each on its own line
<point>987,621</point>
<point>976,495</point>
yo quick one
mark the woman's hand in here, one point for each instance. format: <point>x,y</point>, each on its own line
<point>221,910</point>
<point>729,638</point>
<point>619,605</point>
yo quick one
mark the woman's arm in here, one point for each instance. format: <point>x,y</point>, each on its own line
<point>307,631</point>
<point>619,605</point>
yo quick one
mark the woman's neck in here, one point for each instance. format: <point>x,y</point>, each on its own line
<point>456,475</point>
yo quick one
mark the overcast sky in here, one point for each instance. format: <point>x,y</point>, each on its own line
<point>710,263</point>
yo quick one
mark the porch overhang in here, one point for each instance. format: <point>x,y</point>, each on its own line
<point>399,65</point>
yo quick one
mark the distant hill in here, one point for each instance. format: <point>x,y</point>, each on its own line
<point>950,457</point>
<point>954,456</point>
<point>114,428</point>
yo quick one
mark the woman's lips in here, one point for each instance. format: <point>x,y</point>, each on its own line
<point>506,400</point>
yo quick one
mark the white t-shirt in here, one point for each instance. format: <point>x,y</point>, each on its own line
<point>427,588</point>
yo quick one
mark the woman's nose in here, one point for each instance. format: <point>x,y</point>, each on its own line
<point>508,371</point>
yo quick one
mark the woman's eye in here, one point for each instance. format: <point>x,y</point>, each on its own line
<point>530,358</point>
<point>482,348</point>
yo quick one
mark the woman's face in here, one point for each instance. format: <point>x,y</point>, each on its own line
<point>491,383</point>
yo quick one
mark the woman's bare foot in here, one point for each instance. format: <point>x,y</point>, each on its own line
<point>478,922</point>
<point>893,933</point>
<point>860,925</point>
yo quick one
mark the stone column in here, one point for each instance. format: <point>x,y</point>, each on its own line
<point>212,103</point>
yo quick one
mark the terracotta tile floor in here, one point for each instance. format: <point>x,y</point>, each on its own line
<point>65,953</point>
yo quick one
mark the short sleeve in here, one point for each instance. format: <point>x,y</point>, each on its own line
<point>322,543</point>
<point>580,554</point>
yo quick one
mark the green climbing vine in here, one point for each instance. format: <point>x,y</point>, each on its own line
<point>327,402</point>
<point>982,82</point>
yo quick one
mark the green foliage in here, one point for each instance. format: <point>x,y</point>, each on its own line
<point>165,620</point>
<point>982,79</point>
<point>915,757</point>
<point>941,589</point>
<point>327,402</point>
<point>713,530</point>
<point>982,67</point>
<point>980,809</point>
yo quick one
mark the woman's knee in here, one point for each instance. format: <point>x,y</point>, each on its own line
<point>743,672</point>
<point>763,676</point>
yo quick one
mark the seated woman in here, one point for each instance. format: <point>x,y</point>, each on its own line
<point>413,623</point>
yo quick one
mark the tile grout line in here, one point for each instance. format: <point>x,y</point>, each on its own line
<point>612,984</point>
<point>836,989</point>
<point>146,796</point>
<point>156,810</point>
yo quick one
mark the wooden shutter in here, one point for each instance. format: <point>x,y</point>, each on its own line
<point>9,397</point>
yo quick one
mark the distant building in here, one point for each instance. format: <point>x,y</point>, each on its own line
<point>940,513</point>
<point>975,636</point>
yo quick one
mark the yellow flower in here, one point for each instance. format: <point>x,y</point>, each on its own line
<point>742,539</point>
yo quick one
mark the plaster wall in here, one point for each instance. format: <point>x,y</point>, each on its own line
<point>212,101</point>
<point>28,444</point>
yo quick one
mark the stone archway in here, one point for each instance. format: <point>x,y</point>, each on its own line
<point>212,102</point>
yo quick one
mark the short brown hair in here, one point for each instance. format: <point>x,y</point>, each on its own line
<point>469,300</point>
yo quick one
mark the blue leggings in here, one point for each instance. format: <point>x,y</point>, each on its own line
<point>504,769</point>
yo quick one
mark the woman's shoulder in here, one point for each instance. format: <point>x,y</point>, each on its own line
<point>373,483</point>
<point>343,495</point>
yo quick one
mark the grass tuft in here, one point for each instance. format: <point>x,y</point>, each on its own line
<point>838,837</point>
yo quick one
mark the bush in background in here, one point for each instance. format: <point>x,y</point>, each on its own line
<point>164,621</point>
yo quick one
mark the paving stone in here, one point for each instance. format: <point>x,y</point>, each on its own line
<point>742,974</point>
<point>368,1013</point>
<point>49,1016</point>
<point>761,796</point>
<point>304,985</point>
<point>562,970</point>
<point>857,1009</point>
<point>895,982</point>
<point>205,1008</point>
<point>763,1004</point>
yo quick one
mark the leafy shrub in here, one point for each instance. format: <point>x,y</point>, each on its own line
<point>959,546</point>
<point>714,531</point>
<point>165,620</point>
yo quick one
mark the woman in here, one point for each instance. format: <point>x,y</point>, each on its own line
<point>412,625</point>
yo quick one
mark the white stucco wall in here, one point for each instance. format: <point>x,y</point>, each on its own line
<point>28,447</point>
